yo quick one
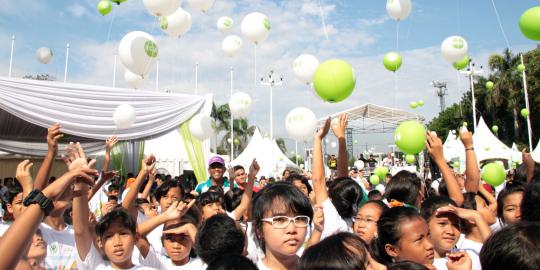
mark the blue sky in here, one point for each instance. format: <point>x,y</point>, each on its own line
<point>359,32</point>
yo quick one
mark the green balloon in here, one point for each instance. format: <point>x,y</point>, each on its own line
<point>495,128</point>
<point>489,85</point>
<point>420,103</point>
<point>392,61</point>
<point>524,113</point>
<point>521,67</point>
<point>377,171</point>
<point>529,23</point>
<point>334,80</point>
<point>410,159</point>
<point>104,7</point>
<point>410,137</point>
<point>461,64</point>
<point>413,105</point>
<point>384,171</point>
<point>456,164</point>
<point>493,174</point>
<point>465,124</point>
<point>374,179</point>
<point>381,172</point>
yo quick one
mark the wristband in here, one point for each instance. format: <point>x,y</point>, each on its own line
<point>469,149</point>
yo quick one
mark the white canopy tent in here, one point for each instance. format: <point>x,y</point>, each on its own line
<point>536,153</point>
<point>270,158</point>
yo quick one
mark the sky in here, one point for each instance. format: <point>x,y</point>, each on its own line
<point>359,32</point>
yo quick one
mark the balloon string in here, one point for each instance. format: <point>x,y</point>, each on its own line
<point>459,92</point>
<point>110,25</point>
<point>458,16</point>
<point>397,36</point>
<point>395,88</point>
<point>157,43</point>
<point>255,65</point>
<point>322,20</point>
<point>500,24</point>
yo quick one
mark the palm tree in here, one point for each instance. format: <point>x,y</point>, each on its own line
<point>242,130</point>
<point>281,144</point>
<point>508,86</point>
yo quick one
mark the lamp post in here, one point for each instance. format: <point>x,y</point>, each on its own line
<point>471,72</point>
<point>272,79</point>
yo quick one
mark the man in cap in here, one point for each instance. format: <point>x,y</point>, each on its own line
<point>216,169</point>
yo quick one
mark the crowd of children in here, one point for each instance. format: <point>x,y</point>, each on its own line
<point>85,219</point>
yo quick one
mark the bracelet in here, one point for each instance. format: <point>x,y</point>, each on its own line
<point>469,149</point>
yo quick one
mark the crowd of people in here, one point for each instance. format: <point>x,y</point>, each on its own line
<point>88,219</point>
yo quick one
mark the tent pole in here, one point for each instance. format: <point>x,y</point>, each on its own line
<point>114,71</point>
<point>232,119</point>
<point>527,105</point>
<point>67,61</point>
<point>11,54</point>
<point>157,75</point>
<point>197,78</point>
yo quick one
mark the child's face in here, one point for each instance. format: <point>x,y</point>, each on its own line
<point>114,192</point>
<point>444,232</point>
<point>240,176</point>
<point>38,248</point>
<point>301,187</point>
<point>118,243</point>
<point>365,224</point>
<point>512,207</point>
<point>177,247</point>
<point>16,206</point>
<point>286,241</point>
<point>166,200</point>
<point>211,210</point>
<point>414,244</point>
<point>148,210</point>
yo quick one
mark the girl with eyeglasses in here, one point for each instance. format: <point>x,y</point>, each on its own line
<point>365,221</point>
<point>282,217</point>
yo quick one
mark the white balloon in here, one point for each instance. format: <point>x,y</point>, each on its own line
<point>301,124</point>
<point>44,55</point>
<point>398,9</point>
<point>333,144</point>
<point>304,67</point>
<point>200,127</point>
<point>225,24</point>
<point>176,24</point>
<point>454,48</point>
<point>255,27</point>
<point>138,52</point>
<point>134,80</point>
<point>240,104</point>
<point>201,5</point>
<point>231,45</point>
<point>380,188</point>
<point>124,116</point>
<point>161,7</point>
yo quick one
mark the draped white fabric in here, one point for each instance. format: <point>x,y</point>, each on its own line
<point>87,110</point>
<point>40,149</point>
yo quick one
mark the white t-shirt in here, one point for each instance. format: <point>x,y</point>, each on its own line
<point>94,261</point>
<point>333,223</point>
<point>154,237</point>
<point>261,265</point>
<point>162,262</point>
<point>464,243</point>
<point>4,226</point>
<point>99,199</point>
<point>61,249</point>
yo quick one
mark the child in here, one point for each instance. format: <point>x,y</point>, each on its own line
<point>218,236</point>
<point>403,235</point>
<point>281,215</point>
<point>365,221</point>
<point>509,203</point>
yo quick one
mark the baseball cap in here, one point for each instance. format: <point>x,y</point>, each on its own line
<point>216,159</point>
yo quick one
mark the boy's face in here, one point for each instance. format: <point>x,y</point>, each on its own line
<point>444,232</point>
<point>240,176</point>
<point>114,192</point>
<point>211,210</point>
<point>16,206</point>
<point>118,243</point>
<point>166,200</point>
<point>177,247</point>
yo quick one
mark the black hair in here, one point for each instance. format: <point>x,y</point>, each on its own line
<point>216,189</point>
<point>232,198</point>
<point>12,192</point>
<point>531,201</point>
<point>298,177</point>
<point>232,262</point>
<point>218,236</point>
<point>113,187</point>
<point>381,205</point>
<point>165,187</point>
<point>443,190</point>
<point>373,193</point>
<point>119,215</point>
<point>238,167</point>
<point>513,247</point>
<point>510,188</point>
<point>406,265</point>
<point>520,174</point>
<point>210,197</point>
<point>345,195</point>
<point>344,251</point>
<point>431,204</point>
<point>112,198</point>
<point>68,219</point>
<point>139,202</point>
<point>403,187</point>
<point>274,196</point>
<point>388,229</point>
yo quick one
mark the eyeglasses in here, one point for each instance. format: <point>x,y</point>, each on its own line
<point>281,222</point>
<point>365,220</point>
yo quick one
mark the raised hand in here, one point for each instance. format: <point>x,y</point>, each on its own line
<point>318,218</point>
<point>75,157</point>
<point>466,137</point>
<point>527,158</point>
<point>459,261</point>
<point>322,132</point>
<point>83,174</point>
<point>469,215</point>
<point>253,169</point>
<point>178,209</point>
<point>110,142</point>
<point>339,129</point>
<point>148,164</point>
<point>53,135</point>
<point>230,171</point>
<point>23,175</point>
<point>434,146</point>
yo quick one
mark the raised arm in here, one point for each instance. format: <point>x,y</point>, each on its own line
<point>529,162</point>
<point>492,202</point>
<point>104,176</point>
<point>42,176</point>
<point>472,172</point>
<point>435,149</point>
<point>318,177</point>
<point>147,166</point>
<point>149,183</point>
<point>109,144</point>
<point>343,156</point>
<point>23,176</point>
<point>248,191</point>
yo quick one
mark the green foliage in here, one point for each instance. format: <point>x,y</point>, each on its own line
<point>501,105</point>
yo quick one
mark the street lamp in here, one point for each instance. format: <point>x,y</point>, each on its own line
<point>272,79</point>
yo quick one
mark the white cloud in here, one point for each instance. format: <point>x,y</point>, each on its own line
<point>77,10</point>
<point>372,22</point>
<point>312,8</point>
